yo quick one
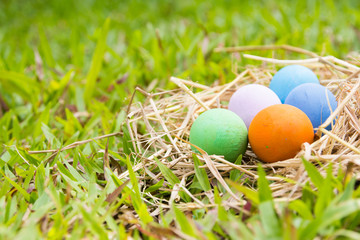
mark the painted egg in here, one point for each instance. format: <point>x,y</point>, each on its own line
<point>220,132</point>
<point>277,132</point>
<point>316,101</point>
<point>248,100</point>
<point>289,77</point>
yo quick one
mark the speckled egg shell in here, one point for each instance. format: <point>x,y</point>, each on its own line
<point>289,77</point>
<point>277,132</point>
<point>316,101</point>
<point>220,132</point>
<point>248,100</point>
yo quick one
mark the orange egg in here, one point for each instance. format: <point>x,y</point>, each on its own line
<point>277,132</point>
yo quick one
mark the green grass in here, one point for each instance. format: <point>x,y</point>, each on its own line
<point>67,72</point>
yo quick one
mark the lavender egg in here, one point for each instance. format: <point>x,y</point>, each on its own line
<point>248,100</point>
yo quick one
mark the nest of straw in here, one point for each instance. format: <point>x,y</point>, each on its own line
<point>167,117</point>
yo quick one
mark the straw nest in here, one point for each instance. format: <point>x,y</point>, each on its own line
<point>159,131</point>
<point>168,116</point>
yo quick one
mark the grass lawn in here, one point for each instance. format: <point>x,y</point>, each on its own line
<point>68,70</point>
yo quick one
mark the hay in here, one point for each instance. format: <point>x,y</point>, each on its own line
<point>168,116</point>
<point>165,118</point>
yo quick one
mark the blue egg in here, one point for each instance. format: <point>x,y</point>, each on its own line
<point>289,77</point>
<point>316,101</point>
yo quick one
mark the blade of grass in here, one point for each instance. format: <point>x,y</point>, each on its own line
<point>168,174</point>
<point>269,220</point>
<point>222,214</point>
<point>96,62</point>
<point>325,193</point>
<point>111,197</point>
<point>201,174</point>
<point>155,187</point>
<point>264,189</point>
<point>301,208</point>
<point>183,222</point>
<point>40,179</point>
<point>313,173</point>
<point>252,195</point>
<point>17,186</point>
<point>235,174</point>
<point>139,205</point>
<point>45,48</point>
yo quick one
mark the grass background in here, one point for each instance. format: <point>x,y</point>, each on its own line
<point>67,71</point>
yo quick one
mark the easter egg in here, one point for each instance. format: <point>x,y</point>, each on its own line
<point>316,101</point>
<point>277,132</point>
<point>248,100</point>
<point>289,77</point>
<point>220,132</point>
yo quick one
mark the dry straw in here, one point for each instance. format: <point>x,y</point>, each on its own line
<point>168,115</point>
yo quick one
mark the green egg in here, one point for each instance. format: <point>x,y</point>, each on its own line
<point>220,132</point>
